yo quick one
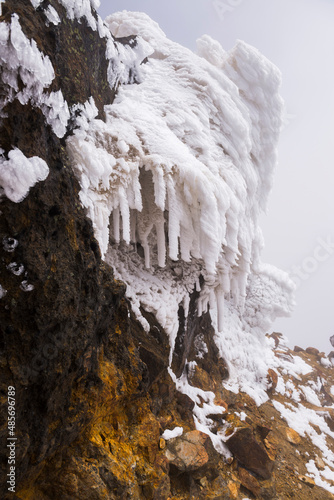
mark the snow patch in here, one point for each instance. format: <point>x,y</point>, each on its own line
<point>169,434</point>
<point>18,174</point>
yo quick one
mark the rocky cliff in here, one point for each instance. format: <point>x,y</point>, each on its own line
<point>103,408</point>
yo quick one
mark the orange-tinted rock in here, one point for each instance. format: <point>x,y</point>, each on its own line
<point>272,378</point>
<point>292,436</point>
<point>200,378</point>
<point>233,489</point>
<point>162,444</point>
<point>187,452</point>
<point>307,480</point>
<point>250,453</point>
<point>277,337</point>
<point>249,481</point>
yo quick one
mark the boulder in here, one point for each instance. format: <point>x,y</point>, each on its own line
<point>292,436</point>
<point>187,452</point>
<point>250,453</point>
<point>249,481</point>
<point>312,350</point>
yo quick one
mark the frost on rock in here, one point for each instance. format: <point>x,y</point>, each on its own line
<point>174,182</point>
<point>19,173</point>
<point>52,15</point>
<point>76,9</point>
<point>22,61</point>
<point>3,291</point>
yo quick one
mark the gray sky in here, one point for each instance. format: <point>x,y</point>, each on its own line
<point>298,36</point>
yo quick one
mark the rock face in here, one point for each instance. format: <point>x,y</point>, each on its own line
<point>92,389</point>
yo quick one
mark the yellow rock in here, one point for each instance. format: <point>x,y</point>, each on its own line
<point>307,480</point>
<point>292,436</point>
<point>162,444</point>
<point>234,489</point>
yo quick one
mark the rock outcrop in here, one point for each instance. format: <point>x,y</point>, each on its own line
<point>93,390</point>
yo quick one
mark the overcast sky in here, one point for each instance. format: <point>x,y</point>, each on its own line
<point>298,36</point>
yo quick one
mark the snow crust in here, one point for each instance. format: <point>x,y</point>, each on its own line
<point>18,174</point>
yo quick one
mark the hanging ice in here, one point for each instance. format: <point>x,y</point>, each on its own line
<point>184,163</point>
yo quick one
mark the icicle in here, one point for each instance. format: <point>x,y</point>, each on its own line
<point>160,229</point>
<point>225,281</point>
<point>159,186</point>
<point>115,216</point>
<point>199,307</point>
<point>242,283</point>
<point>173,222</point>
<point>186,302</point>
<point>124,206</point>
<point>133,223</point>
<point>235,290</point>
<point>220,307</point>
<point>146,248</point>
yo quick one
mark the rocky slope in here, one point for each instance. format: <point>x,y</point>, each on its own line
<point>93,393</point>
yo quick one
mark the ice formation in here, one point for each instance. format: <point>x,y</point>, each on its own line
<point>174,181</point>
<point>76,9</point>
<point>21,60</point>
<point>181,169</point>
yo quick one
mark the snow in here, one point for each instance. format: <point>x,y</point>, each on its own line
<point>18,174</point>
<point>325,362</point>
<point>203,406</point>
<point>310,395</point>
<point>327,473</point>
<point>242,415</point>
<point>169,434</point>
